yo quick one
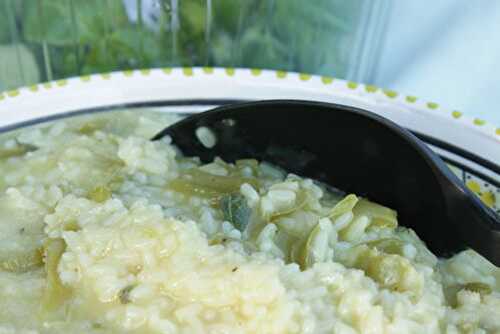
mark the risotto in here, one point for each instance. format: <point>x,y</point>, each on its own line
<point>104,231</point>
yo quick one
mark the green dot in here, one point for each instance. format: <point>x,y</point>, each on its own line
<point>371,88</point>
<point>281,74</point>
<point>352,85</point>
<point>85,78</point>
<point>456,114</point>
<point>256,71</point>
<point>167,70</point>
<point>230,71</point>
<point>47,85</point>
<point>479,122</point>
<point>497,131</point>
<point>390,93</point>
<point>208,70</point>
<point>327,80</point>
<point>106,76</point>
<point>62,82</point>
<point>145,71</point>
<point>432,105</point>
<point>188,71</point>
<point>304,76</point>
<point>411,99</point>
<point>13,93</point>
<point>33,88</point>
<point>474,186</point>
<point>128,73</point>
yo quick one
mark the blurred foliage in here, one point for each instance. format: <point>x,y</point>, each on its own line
<point>70,37</point>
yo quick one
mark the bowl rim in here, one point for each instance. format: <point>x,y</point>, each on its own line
<point>355,88</point>
<point>464,136</point>
<point>469,146</point>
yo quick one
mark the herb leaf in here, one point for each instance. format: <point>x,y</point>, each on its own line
<point>124,294</point>
<point>236,210</point>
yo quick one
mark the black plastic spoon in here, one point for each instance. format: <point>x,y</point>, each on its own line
<point>355,151</point>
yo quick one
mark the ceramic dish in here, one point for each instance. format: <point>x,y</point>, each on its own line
<point>471,147</point>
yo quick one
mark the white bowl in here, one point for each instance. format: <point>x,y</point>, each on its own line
<point>471,147</point>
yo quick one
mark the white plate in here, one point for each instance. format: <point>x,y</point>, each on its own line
<point>470,146</point>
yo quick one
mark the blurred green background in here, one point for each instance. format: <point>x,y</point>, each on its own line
<point>44,40</point>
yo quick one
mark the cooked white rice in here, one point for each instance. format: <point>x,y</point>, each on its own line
<point>104,231</point>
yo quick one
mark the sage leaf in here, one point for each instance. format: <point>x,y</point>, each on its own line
<point>236,210</point>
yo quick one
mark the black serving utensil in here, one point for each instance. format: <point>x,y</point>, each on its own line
<point>356,151</point>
